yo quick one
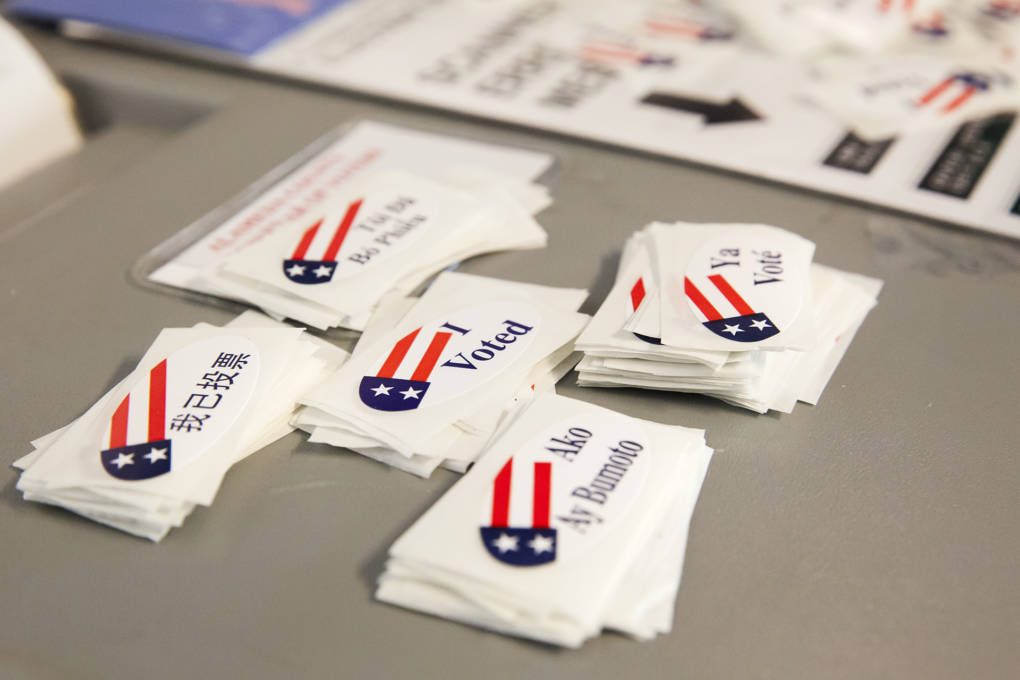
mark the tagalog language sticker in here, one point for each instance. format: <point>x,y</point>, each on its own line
<point>450,356</point>
<point>180,408</point>
<point>747,287</point>
<point>561,492</point>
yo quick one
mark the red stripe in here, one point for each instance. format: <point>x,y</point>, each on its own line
<point>637,293</point>
<point>935,91</point>
<point>157,401</point>
<point>692,29</point>
<point>958,102</point>
<point>424,368</point>
<point>909,5</point>
<point>341,231</point>
<point>543,492</point>
<point>306,240</point>
<point>119,423</point>
<point>733,296</point>
<point>608,52</point>
<point>884,5</point>
<point>700,301</point>
<point>397,355</point>
<point>501,496</point>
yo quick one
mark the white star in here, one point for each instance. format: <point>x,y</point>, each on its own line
<point>322,271</point>
<point>155,454</point>
<point>505,543</point>
<point>411,393</point>
<point>296,270</point>
<point>123,459</point>
<point>734,329</point>
<point>541,544</point>
<point>382,389</point>
<point>761,324</point>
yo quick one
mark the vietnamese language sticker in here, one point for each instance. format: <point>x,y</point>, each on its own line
<point>450,356</point>
<point>563,490</point>
<point>181,408</point>
<point>367,232</point>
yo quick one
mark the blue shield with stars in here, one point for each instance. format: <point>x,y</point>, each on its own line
<point>392,394</point>
<point>752,327</point>
<point>309,271</point>
<point>136,462</point>
<point>520,546</point>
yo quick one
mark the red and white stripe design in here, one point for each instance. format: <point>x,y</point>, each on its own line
<point>156,423</point>
<point>722,287</point>
<point>540,500</point>
<point>610,51</point>
<point>335,242</point>
<point>426,362</point>
<point>956,102</point>
<point>677,26</point>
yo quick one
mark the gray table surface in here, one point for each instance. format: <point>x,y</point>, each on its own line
<point>872,536</point>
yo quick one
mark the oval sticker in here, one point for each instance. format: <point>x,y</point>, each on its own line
<point>450,356</point>
<point>181,408</point>
<point>562,492</point>
<point>749,286</point>
<point>367,231</point>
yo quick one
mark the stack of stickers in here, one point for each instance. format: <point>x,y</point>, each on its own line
<point>389,231</point>
<point>160,442</point>
<point>734,311</point>
<point>575,520</point>
<point>432,378</point>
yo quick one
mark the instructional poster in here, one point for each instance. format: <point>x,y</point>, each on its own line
<point>672,83</point>
<point>919,114</point>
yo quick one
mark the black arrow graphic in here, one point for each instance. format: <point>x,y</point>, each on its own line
<point>733,111</point>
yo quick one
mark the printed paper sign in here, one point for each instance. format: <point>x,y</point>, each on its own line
<point>654,80</point>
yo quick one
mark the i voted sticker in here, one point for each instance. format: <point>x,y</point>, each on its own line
<point>450,356</point>
<point>181,408</point>
<point>366,233</point>
<point>748,287</point>
<point>562,492</point>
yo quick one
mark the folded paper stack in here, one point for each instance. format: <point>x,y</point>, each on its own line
<point>431,379</point>
<point>389,231</point>
<point>160,442</point>
<point>734,311</point>
<point>574,520</point>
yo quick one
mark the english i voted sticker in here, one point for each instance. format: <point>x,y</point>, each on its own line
<point>450,356</point>
<point>181,408</point>
<point>748,286</point>
<point>563,490</point>
<point>365,233</point>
